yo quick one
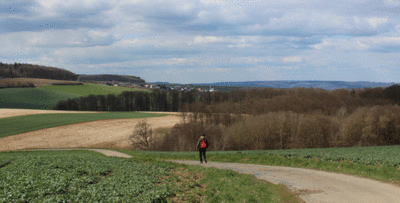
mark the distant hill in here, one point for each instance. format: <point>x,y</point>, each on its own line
<point>25,70</point>
<point>329,85</point>
<point>108,78</point>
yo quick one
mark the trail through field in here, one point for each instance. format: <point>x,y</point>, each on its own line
<point>103,151</point>
<point>103,133</point>
<point>314,186</point>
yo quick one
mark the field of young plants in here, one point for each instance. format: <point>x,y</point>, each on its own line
<point>87,176</point>
<point>77,176</point>
<point>46,97</point>
<point>12,125</point>
<point>88,88</point>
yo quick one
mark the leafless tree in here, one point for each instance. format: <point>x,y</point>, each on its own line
<point>142,136</point>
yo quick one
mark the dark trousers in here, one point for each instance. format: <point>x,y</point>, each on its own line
<point>202,153</point>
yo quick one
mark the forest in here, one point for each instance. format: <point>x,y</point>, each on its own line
<point>258,119</point>
<point>25,70</point>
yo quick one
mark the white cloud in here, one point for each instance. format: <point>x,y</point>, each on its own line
<point>207,39</point>
<point>292,59</point>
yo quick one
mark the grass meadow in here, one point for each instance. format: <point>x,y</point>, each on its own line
<point>12,125</point>
<point>89,88</point>
<point>46,97</point>
<point>32,98</point>
<point>85,176</point>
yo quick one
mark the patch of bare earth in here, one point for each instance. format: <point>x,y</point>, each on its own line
<point>105,133</point>
<point>35,81</point>
<point>7,112</point>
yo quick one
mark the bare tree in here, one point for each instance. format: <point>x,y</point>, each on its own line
<point>142,136</point>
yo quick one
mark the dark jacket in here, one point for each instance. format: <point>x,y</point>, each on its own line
<point>200,141</point>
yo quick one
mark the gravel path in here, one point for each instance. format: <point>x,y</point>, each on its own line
<point>316,186</point>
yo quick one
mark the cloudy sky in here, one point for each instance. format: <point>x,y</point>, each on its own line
<point>198,41</point>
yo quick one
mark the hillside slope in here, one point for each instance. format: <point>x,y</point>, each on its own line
<point>106,77</point>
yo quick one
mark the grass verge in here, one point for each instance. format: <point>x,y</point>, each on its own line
<point>12,125</point>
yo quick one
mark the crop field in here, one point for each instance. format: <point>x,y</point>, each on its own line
<point>12,125</point>
<point>86,176</point>
<point>73,176</point>
<point>46,97</point>
<point>87,89</point>
<point>17,82</point>
<point>32,98</point>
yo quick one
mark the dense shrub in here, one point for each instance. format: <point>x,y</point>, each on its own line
<point>12,84</point>
<point>379,125</point>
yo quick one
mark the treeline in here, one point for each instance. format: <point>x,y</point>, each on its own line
<point>245,101</point>
<point>20,70</point>
<point>130,101</point>
<point>106,77</point>
<point>366,126</point>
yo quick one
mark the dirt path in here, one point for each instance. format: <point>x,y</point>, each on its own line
<point>103,151</point>
<point>316,186</point>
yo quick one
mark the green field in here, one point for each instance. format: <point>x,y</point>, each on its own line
<point>46,97</point>
<point>32,98</point>
<point>376,162</point>
<point>87,89</point>
<point>85,176</point>
<point>12,125</point>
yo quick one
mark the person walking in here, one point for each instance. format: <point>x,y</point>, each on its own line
<point>202,146</point>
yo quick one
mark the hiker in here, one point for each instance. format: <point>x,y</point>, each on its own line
<point>202,146</point>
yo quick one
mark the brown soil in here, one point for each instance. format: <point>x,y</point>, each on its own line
<point>105,133</point>
<point>35,81</point>
<point>7,112</point>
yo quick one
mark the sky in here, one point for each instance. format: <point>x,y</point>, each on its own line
<point>206,41</point>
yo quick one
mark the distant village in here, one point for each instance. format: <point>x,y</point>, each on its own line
<point>168,87</point>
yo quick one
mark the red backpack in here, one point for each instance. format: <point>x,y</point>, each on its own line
<point>203,144</point>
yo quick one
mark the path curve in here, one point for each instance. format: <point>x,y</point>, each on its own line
<point>103,151</point>
<point>314,186</point>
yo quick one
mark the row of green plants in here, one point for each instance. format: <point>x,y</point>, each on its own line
<point>85,176</point>
<point>12,125</point>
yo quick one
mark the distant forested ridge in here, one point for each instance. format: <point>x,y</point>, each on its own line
<point>106,77</point>
<point>25,70</point>
<point>287,84</point>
